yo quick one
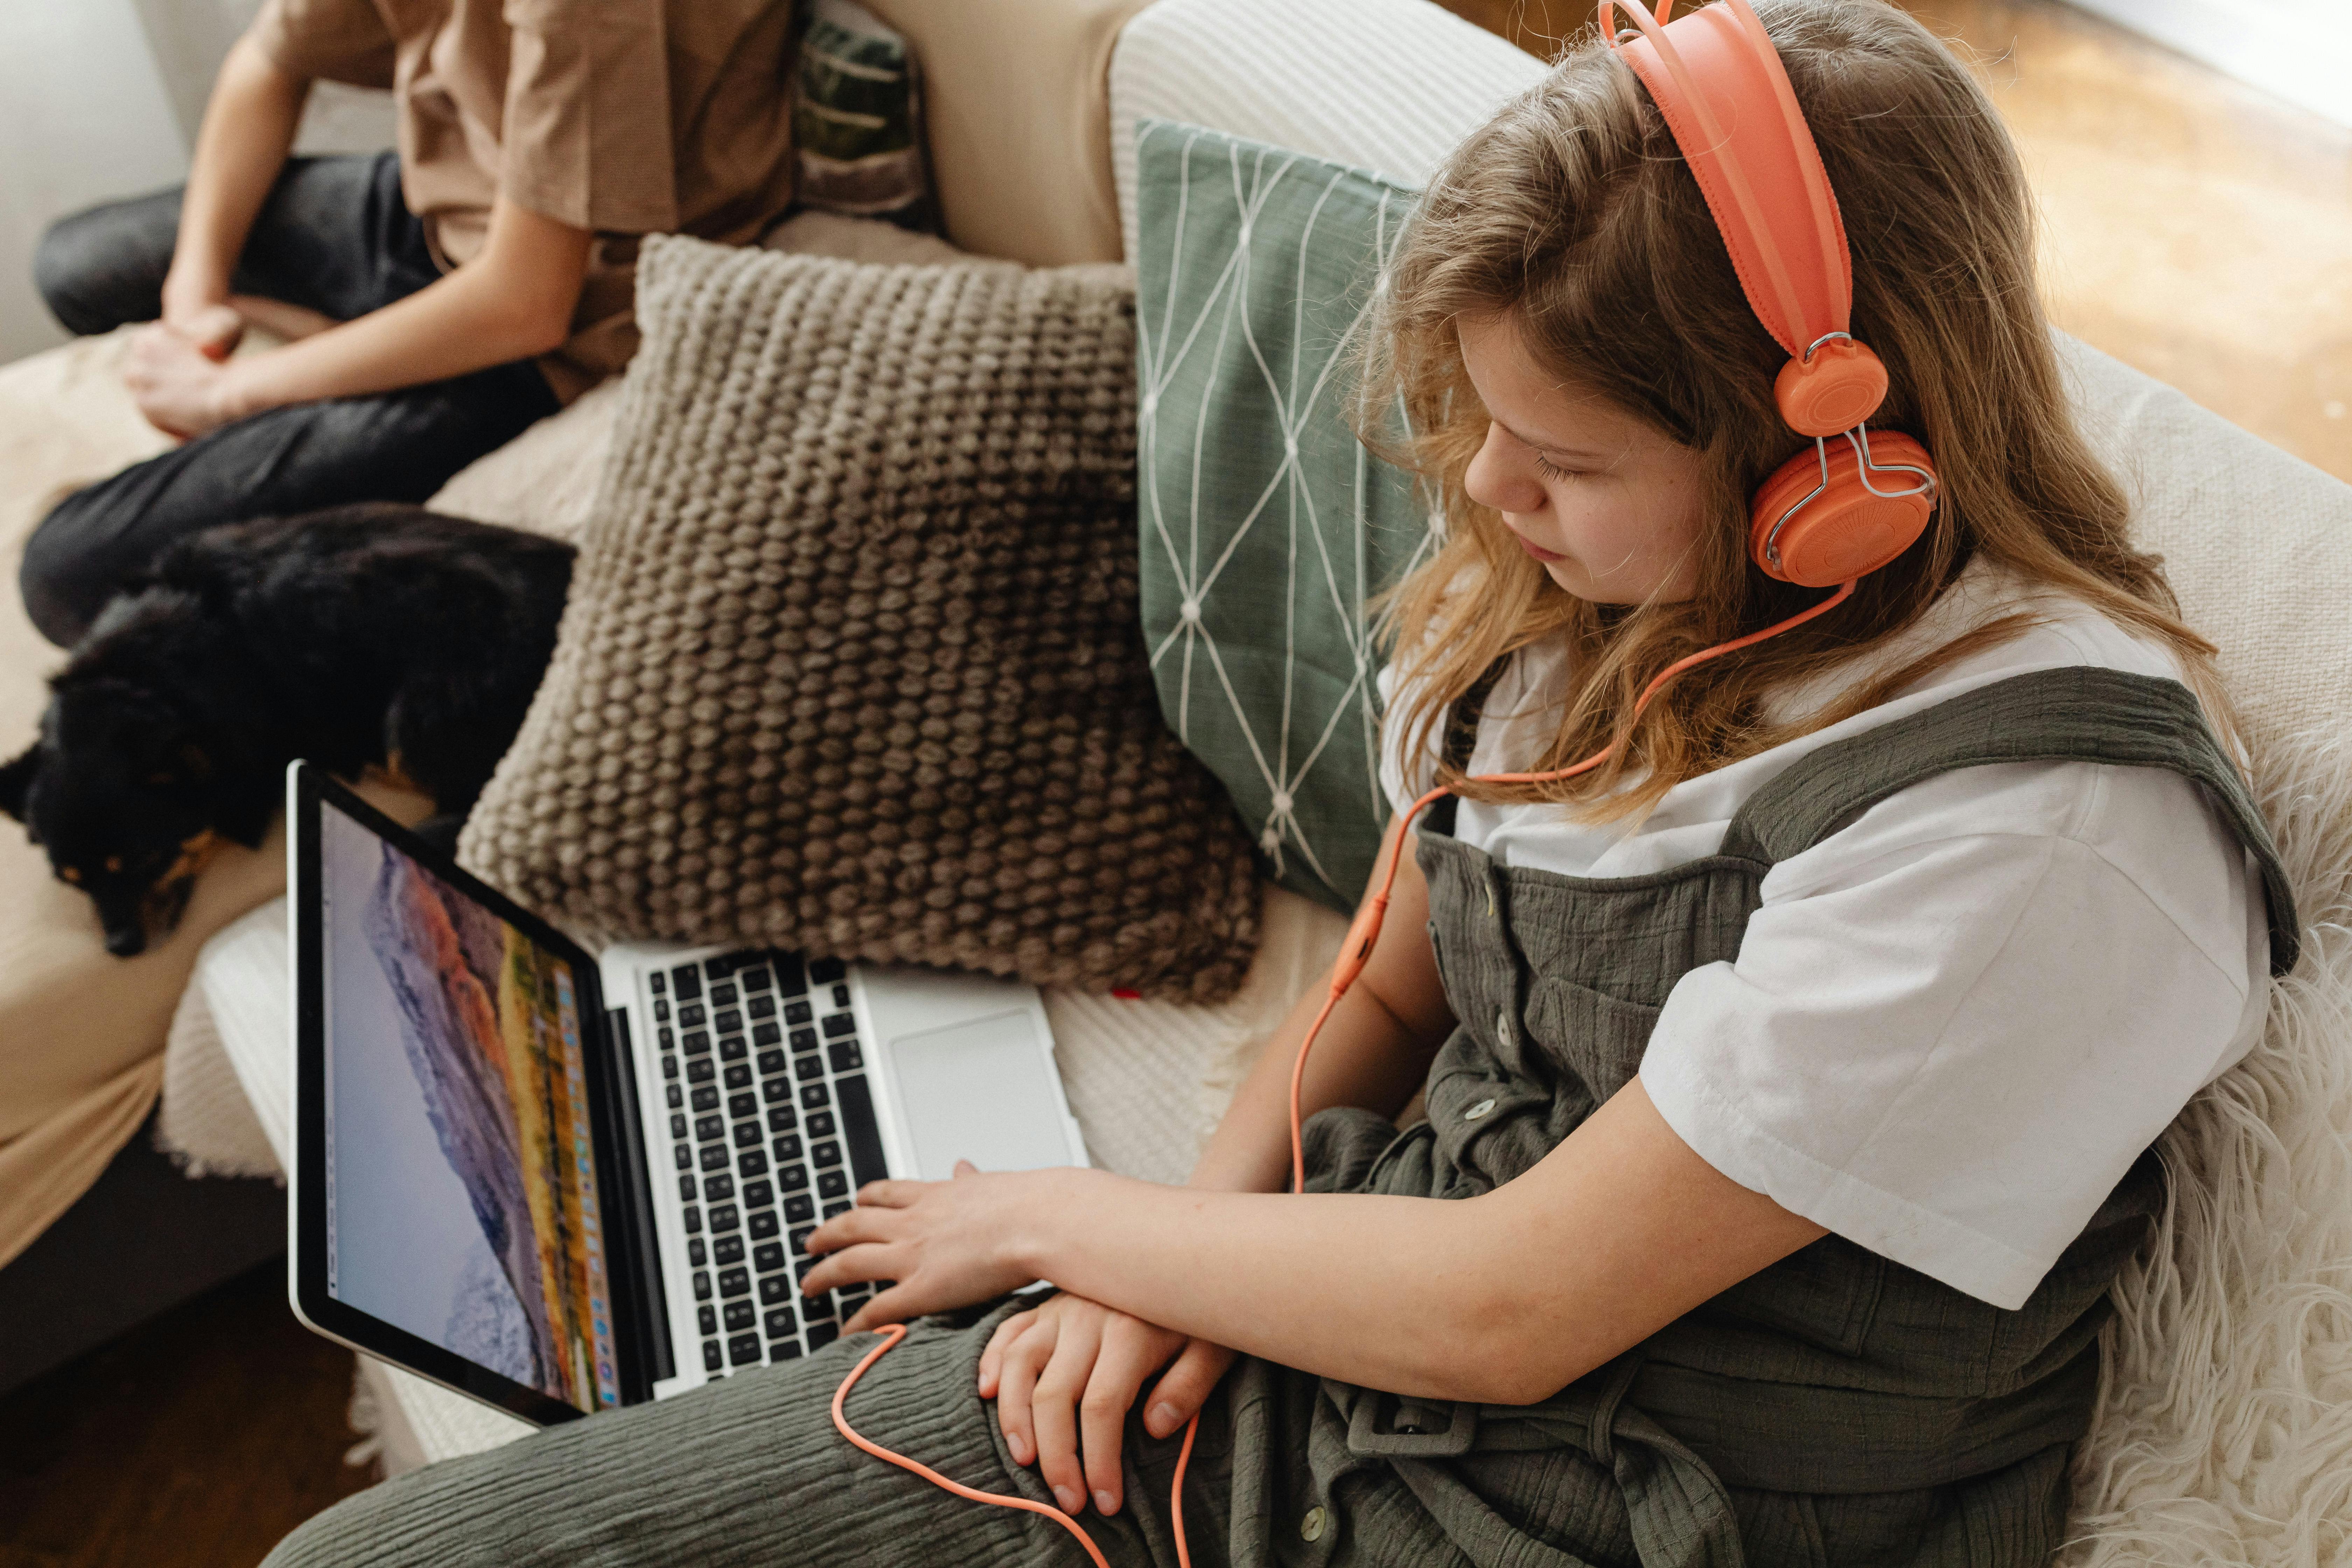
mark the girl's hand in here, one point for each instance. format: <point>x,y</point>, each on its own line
<point>1065,1374</point>
<point>946,1244</point>
<point>180,389</point>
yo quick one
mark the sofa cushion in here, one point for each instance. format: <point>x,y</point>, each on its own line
<point>850,662</point>
<point>1266,526</point>
<point>1017,96</point>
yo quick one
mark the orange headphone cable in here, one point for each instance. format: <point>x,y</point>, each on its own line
<point>1353,952</point>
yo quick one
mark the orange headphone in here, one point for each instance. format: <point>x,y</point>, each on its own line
<point>1720,82</point>
<point>1819,521</point>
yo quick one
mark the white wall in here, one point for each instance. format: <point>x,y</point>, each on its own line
<point>2299,50</point>
<point>84,117</point>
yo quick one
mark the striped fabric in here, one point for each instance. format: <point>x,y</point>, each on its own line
<point>1322,77</point>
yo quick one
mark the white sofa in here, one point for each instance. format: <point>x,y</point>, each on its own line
<point>2228,1424</point>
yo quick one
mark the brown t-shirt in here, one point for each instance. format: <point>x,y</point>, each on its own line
<point>627,117</point>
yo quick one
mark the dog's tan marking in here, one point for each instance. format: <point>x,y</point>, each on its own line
<point>195,854</point>
<point>114,864</point>
<point>389,772</point>
<point>71,874</point>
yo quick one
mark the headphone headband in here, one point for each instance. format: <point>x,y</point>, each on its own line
<point>1719,83</point>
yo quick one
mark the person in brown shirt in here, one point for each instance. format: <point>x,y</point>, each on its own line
<point>437,299</point>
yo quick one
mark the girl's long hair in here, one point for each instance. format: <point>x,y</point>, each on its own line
<point>1573,213</point>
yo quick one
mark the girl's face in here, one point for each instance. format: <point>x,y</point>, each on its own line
<point>1611,507</point>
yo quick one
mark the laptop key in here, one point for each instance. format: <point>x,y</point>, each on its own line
<point>821,1125</point>
<point>670,1066</point>
<point>676,1096</point>
<point>685,1186</point>
<point>744,1104</point>
<point>791,977</point>
<point>835,1211</point>
<point>770,1063</point>
<point>746,1133</point>
<point>695,1253</point>
<point>743,1348</point>
<point>714,1156</point>
<point>825,971</point>
<point>777,1088</point>
<point>741,1315</point>
<point>707,1319</point>
<point>799,1012</point>
<point>807,1067</point>
<point>839,1023</point>
<point>706,1128</point>
<point>783,1350</point>
<point>727,1248</point>
<point>713,1358</point>
<point>701,1069</point>
<point>822,1334</point>
<point>685,1156</point>
<point>751,1161</point>
<point>706,1099</point>
<point>814,1097</point>
<point>788,1147</point>
<point>721,1186</point>
<point>758,1195</point>
<point>723,1218</point>
<point>766,1034</point>
<point>780,1323</point>
<point>859,1130</point>
<point>800,1210</point>
<point>661,1010</point>
<point>677,1124</point>
<point>721,967</point>
<point>817,1306</point>
<point>803,1039</point>
<point>692,1016</point>
<point>763,1225</point>
<point>830,1184</point>
<point>844,1055</point>
<point>825,1154</point>
<point>702,1284</point>
<point>776,1289</point>
<point>760,1006</point>
<point>781,1120</point>
<point>659,981</point>
<point>685,982</point>
<point>667,1040</point>
<point>693,1219</point>
<point>753,980</point>
<point>800,1240</point>
<point>727,1021</point>
<point>723,993</point>
<point>696,1042</point>
<point>767,1259</point>
<point>732,1049</point>
<point>792,1178</point>
<point>734,1282</point>
<point>737,1077</point>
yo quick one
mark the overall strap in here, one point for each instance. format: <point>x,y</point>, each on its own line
<point>2076,714</point>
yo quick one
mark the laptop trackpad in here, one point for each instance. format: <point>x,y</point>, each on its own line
<point>980,1092</point>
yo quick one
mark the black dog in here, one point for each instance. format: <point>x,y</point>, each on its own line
<point>364,634</point>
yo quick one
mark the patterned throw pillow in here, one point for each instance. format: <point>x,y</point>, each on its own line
<point>1265,525</point>
<point>857,120</point>
<point>851,661</point>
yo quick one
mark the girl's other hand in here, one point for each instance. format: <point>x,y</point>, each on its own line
<point>946,1243</point>
<point>1064,1376</point>
<point>180,388</point>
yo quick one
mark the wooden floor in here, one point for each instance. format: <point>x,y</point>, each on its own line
<point>194,1442</point>
<point>2196,228</point>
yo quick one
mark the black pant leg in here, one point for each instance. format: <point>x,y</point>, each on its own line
<point>399,446</point>
<point>333,237</point>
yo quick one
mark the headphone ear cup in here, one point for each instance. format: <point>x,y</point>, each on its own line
<point>1847,530</point>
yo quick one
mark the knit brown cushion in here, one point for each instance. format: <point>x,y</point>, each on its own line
<point>852,662</point>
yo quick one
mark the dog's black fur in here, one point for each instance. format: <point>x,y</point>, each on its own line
<point>364,634</point>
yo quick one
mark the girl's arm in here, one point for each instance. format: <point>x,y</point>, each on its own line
<point>512,301</point>
<point>248,128</point>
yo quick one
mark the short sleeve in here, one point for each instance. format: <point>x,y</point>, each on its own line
<point>1953,1026</point>
<point>326,40</point>
<point>586,138</point>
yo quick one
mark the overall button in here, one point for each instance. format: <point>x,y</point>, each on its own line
<point>1502,1026</point>
<point>1478,1110</point>
<point>1311,1527</point>
<point>1491,910</point>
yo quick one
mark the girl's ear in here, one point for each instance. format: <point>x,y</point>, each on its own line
<point>16,780</point>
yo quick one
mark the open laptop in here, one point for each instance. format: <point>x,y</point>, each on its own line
<point>559,1183</point>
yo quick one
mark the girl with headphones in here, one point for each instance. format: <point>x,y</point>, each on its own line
<point>1818,877</point>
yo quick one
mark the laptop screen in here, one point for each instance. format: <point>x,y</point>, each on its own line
<point>461,1201</point>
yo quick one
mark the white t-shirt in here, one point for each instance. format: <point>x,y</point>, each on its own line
<point>1957,1021</point>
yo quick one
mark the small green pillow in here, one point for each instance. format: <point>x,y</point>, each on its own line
<point>1265,525</point>
<point>857,120</point>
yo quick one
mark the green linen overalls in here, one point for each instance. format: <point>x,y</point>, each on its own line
<point>1835,1408</point>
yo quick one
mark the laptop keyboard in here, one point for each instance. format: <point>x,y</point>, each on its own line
<point>765,1073</point>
